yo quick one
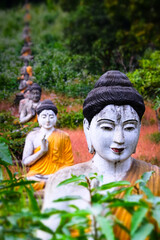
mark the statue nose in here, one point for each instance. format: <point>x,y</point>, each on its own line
<point>118,136</point>
<point>48,119</point>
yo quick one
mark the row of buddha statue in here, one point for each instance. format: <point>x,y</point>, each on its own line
<point>112,111</point>
<point>26,77</point>
<point>30,92</point>
<point>46,149</point>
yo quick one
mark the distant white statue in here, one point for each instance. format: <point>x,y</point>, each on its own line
<point>25,100</point>
<point>28,112</point>
<point>112,121</point>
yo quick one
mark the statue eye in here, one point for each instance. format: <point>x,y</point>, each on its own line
<point>107,128</point>
<point>129,128</point>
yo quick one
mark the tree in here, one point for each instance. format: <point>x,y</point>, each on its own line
<point>116,31</point>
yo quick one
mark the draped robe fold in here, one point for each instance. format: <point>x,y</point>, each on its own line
<point>59,155</point>
<point>135,172</point>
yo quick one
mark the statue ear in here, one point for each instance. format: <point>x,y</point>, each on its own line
<point>86,131</point>
<point>139,128</point>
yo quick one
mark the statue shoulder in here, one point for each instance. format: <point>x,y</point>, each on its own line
<point>33,134</point>
<point>61,132</point>
<point>67,172</point>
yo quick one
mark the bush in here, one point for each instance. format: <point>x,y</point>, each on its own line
<point>155,137</point>
<point>70,120</point>
<point>15,133</point>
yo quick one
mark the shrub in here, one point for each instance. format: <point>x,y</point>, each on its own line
<point>155,137</point>
<point>15,133</point>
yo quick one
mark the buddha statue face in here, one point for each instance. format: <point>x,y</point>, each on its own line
<point>35,95</point>
<point>47,119</point>
<point>113,133</point>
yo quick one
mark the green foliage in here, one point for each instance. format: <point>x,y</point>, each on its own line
<point>146,78</point>
<point>118,32</point>
<point>11,23</point>
<point>21,216</point>
<point>144,220</point>
<point>155,137</point>
<point>70,119</point>
<point>14,133</point>
<point>5,156</point>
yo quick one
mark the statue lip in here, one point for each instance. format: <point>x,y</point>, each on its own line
<point>117,150</point>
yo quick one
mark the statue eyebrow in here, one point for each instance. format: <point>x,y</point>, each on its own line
<point>105,119</point>
<point>131,120</point>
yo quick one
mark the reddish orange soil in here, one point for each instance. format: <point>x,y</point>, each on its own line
<point>146,150</point>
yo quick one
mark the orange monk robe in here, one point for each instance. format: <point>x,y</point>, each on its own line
<point>59,155</point>
<point>135,173</point>
<point>34,119</point>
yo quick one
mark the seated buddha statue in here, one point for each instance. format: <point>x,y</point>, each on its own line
<point>28,112</point>
<point>27,39</point>
<point>25,100</point>
<point>26,73</point>
<point>47,149</point>
<point>26,50</point>
<point>26,57</point>
<point>112,110</point>
<point>26,29</point>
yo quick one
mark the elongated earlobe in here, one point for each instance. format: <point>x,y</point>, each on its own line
<point>86,131</point>
<point>139,128</point>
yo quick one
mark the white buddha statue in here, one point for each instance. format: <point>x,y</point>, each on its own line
<point>112,121</point>
<point>28,112</point>
<point>47,149</point>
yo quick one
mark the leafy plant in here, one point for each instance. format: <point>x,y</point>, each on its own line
<point>98,221</point>
<point>155,137</point>
<point>15,133</point>
<point>21,216</point>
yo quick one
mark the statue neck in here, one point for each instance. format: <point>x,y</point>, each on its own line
<point>111,171</point>
<point>47,132</point>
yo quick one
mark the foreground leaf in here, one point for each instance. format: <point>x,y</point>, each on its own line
<point>5,156</point>
<point>137,218</point>
<point>106,228</point>
<point>72,179</point>
<point>113,184</point>
<point>67,198</point>
<point>143,232</point>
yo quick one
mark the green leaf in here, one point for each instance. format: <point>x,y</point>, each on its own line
<point>134,198</point>
<point>72,179</point>
<point>147,191</point>
<point>146,176</point>
<point>143,232</point>
<point>156,214</point>
<point>121,225</point>
<point>84,184</point>
<point>137,218</point>
<point>67,198</point>
<point>16,184</point>
<point>5,156</point>
<point>74,206</point>
<point>113,184</point>
<point>106,228</point>
<point>33,201</point>
<point>1,174</point>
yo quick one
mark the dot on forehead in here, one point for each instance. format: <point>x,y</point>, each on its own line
<point>115,112</point>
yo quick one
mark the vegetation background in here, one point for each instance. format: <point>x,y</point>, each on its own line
<point>75,42</point>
